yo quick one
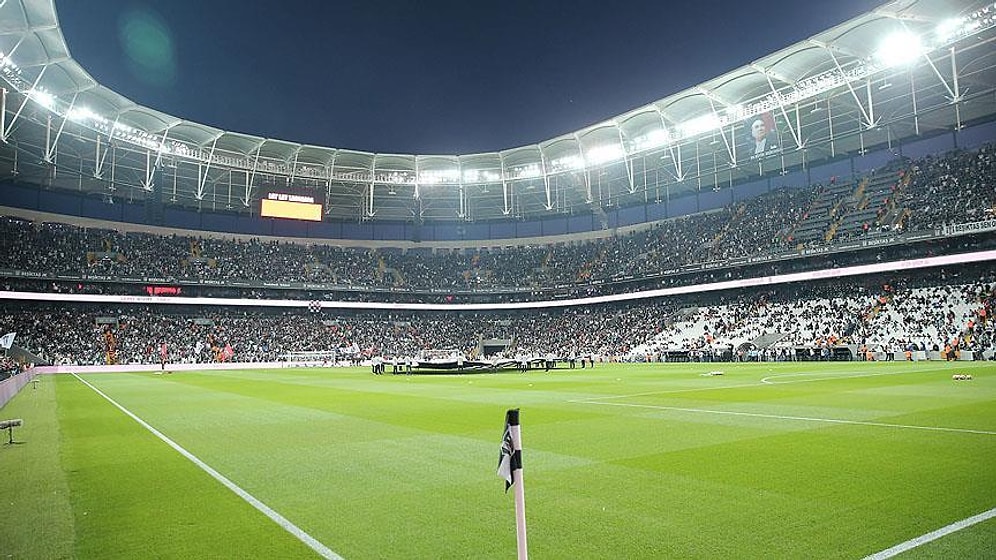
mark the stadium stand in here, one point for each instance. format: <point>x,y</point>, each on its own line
<point>918,196</point>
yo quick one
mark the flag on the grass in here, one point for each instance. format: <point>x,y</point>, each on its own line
<point>7,340</point>
<point>509,459</point>
<point>510,468</point>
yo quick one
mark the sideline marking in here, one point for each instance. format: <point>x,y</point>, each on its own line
<point>802,418</point>
<point>289,526</point>
<point>932,536</point>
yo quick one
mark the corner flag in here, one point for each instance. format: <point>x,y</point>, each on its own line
<point>509,459</point>
<point>510,468</point>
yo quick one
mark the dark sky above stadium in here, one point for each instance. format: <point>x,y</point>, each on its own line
<point>427,77</point>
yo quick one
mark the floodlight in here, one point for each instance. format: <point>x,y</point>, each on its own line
<point>604,154</point>
<point>571,162</point>
<point>698,125</point>
<point>948,29</point>
<point>528,171</point>
<point>439,176</point>
<point>43,98</point>
<point>80,114</point>
<point>899,49</point>
<point>653,139</point>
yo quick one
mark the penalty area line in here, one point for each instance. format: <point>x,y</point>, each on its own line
<point>932,536</point>
<point>266,510</point>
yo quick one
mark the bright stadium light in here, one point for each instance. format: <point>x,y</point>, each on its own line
<point>949,29</point>
<point>439,176</point>
<point>604,154</point>
<point>81,114</point>
<point>43,98</point>
<point>567,163</point>
<point>698,125</point>
<point>653,139</point>
<point>530,171</point>
<point>899,49</point>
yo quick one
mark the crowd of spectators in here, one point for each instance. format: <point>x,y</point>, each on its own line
<point>926,314</point>
<point>951,189</point>
<point>136,336</point>
<point>923,311</point>
<point>927,193</point>
<point>8,366</point>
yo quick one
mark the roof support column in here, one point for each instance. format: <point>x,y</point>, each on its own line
<point>462,210</point>
<point>956,98</point>
<point>781,107</point>
<point>416,195</point>
<point>833,143</point>
<point>330,169</point>
<point>729,143</point>
<point>6,131</point>
<point>868,121</point>
<point>871,103</point>
<point>293,173</point>
<point>251,177</point>
<point>98,159</point>
<point>202,171</point>
<point>546,180</point>
<point>175,174</point>
<point>916,113</point>
<point>370,192</point>
<point>162,145</point>
<point>3,114</point>
<point>586,173</point>
<point>627,161</point>
<point>504,185</point>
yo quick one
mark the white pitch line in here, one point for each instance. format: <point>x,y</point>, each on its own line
<point>290,527</point>
<point>668,392</point>
<point>764,381</point>
<point>832,377</point>
<point>767,380</point>
<point>801,418</point>
<point>932,536</point>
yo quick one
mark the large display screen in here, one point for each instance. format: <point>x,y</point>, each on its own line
<point>292,206</point>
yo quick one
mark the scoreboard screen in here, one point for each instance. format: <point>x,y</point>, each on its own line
<point>293,206</point>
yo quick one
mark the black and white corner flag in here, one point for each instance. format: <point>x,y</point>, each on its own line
<point>510,468</point>
<point>509,459</point>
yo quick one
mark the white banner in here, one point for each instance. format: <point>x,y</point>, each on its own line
<point>972,227</point>
<point>7,340</point>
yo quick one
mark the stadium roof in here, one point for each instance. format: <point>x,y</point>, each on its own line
<point>834,69</point>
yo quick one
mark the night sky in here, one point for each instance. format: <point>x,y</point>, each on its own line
<point>427,77</point>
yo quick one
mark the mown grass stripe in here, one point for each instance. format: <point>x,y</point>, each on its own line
<point>266,510</point>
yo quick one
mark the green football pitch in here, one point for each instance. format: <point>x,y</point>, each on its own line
<point>778,460</point>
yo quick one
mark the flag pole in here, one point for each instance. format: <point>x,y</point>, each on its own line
<point>512,417</point>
